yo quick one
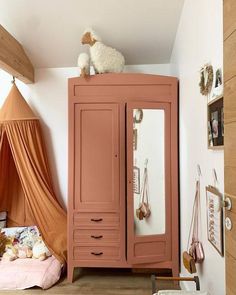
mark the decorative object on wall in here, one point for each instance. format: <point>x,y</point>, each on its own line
<point>138,117</point>
<point>214,218</point>
<point>84,64</point>
<point>218,84</point>
<point>196,248</point>
<point>206,79</point>
<point>135,139</point>
<point>105,59</point>
<point>216,123</point>
<point>136,180</point>
<point>144,210</point>
<point>195,252</point>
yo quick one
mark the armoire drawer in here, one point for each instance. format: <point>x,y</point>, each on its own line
<point>96,253</point>
<point>96,236</point>
<point>96,220</point>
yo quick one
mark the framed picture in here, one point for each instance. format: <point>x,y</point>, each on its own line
<point>136,180</point>
<point>216,123</point>
<point>218,84</point>
<point>214,219</point>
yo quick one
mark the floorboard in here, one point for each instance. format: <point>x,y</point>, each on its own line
<point>101,282</point>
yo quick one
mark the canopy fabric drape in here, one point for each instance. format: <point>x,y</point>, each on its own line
<point>26,190</point>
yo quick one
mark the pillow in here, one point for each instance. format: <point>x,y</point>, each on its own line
<point>25,236</point>
<point>3,219</point>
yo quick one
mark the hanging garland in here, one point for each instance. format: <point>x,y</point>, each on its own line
<point>206,79</point>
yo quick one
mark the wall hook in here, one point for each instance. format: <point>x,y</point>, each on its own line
<point>146,162</point>
<point>13,80</point>
<point>215,177</point>
<point>199,172</point>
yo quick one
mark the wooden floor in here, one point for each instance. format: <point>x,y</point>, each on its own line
<point>100,282</point>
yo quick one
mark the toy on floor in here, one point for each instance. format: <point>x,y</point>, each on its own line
<point>84,64</point>
<point>105,59</point>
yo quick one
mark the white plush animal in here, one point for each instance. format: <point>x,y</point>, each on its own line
<point>105,59</point>
<point>40,250</point>
<point>84,64</point>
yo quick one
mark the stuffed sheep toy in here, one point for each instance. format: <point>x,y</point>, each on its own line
<point>84,64</point>
<point>104,58</point>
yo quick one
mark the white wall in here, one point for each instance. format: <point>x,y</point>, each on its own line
<point>199,40</point>
<point>49,99</point>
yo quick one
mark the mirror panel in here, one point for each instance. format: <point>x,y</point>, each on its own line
<point>149,171</point>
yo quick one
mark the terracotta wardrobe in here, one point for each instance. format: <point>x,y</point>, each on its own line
<point>123,152</point>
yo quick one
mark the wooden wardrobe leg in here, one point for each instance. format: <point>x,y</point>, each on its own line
<point>70,273</point>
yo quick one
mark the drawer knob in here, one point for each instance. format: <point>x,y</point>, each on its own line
<point>96,237</point>
<point>97,253</point>
<point>96,220</point>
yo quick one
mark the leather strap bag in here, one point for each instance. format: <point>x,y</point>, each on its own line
<point>194,253</point>
<point>189,263</point>
<point>196,248</point>
<point>144,210</point>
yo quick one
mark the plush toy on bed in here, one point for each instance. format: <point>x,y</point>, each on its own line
<point>105,59</point>
<point>40,250</point>
<point>24,252</point>
<point>10,253</point>
<point>3,242</point>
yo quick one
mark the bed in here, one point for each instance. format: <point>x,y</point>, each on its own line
<point>28,273</point>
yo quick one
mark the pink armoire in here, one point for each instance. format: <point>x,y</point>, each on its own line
<point>121,125</point>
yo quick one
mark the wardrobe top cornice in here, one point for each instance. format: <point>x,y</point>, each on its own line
<point>122,79</point>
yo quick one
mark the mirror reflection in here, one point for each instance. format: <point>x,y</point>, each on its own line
<point>149,171</point>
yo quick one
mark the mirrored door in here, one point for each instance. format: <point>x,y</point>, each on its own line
<point>148,159</point>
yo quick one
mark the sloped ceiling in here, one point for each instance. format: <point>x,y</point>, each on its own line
<point>50,30</point>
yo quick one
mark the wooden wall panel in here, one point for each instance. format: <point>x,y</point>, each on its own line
<point>229,17</point>
<point>230,274</point>
<point>230,57</point>
<point>230,102</point>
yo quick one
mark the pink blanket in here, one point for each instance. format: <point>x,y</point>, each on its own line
<point>26,273</point>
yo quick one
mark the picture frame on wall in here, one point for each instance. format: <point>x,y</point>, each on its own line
<point>218,83</point>
<point>215,219</point>
<point>215,110</point>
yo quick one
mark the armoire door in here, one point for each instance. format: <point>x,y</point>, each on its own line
<point>96,168</point>
<point>148,182</point>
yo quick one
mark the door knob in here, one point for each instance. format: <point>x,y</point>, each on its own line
<point>227,203</point>
<point>228,223</point>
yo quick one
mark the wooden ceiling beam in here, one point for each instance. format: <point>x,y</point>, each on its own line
<point>13,58</point>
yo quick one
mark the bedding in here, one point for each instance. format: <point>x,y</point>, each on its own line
<point>27,273</point>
